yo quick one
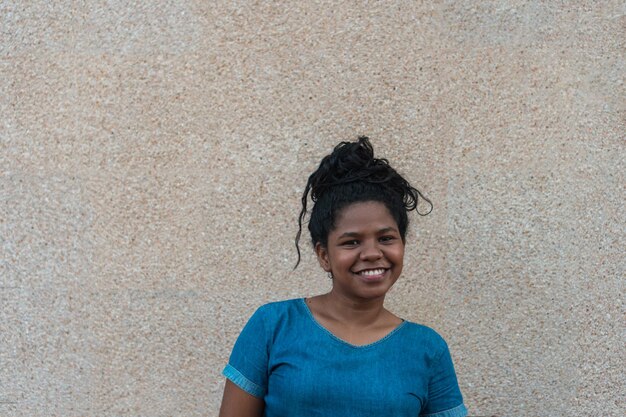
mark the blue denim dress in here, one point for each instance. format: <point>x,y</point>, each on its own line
<point>300,369</point>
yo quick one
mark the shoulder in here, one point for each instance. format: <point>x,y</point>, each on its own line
<point>279,307</point>
<point>278,311</point>
<point>272,317</point>
<point>424,338</point>
<point>424,332</point>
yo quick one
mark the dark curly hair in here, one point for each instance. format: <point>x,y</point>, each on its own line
<point>351,174</point>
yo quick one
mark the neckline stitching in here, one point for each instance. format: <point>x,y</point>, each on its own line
<point>343,342</point>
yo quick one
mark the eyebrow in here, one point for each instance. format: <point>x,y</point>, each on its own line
<point>355,234</point>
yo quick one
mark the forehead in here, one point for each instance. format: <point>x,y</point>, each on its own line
<point>369,214</point>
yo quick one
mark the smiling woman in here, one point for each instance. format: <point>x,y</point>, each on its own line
<point>343,353</point>
<point>364,252</point>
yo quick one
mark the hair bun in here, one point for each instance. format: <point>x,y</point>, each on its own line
<point>349,162</point>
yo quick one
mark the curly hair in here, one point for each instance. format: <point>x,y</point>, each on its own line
<point>351,174</point>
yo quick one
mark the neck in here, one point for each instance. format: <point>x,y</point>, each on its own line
<point>353,312</point>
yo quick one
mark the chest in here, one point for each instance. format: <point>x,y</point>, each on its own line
<point>311,377</point>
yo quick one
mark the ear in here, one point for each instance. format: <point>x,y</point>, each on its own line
<point>322,257</point>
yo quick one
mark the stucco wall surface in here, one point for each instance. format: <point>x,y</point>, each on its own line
<point>152,157</point>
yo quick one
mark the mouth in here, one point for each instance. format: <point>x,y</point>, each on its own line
<point>372,275</point>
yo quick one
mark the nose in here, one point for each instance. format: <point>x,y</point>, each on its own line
<point>370,252</point>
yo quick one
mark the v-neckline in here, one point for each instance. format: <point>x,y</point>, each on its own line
<point>337,338</point>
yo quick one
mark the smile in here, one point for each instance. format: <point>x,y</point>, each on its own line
<point>372,272</point>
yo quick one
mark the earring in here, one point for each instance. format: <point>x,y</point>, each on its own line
<point>330,275</point>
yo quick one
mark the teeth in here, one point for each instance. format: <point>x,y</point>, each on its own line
<point>373,272</point>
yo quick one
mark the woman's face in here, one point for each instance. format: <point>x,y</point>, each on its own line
<point>365,251</point>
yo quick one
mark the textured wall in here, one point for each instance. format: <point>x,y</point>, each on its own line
<point>152,156</point>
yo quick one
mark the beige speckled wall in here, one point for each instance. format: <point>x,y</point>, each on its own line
<point>152,156</point>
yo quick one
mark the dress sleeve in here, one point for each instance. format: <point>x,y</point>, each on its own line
<point>247,366</point>
<point>444,395</point>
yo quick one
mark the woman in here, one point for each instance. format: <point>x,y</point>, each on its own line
<point>342,353</point>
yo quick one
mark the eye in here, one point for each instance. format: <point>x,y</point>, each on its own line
<point>352,242</point>
<point>387,239</point>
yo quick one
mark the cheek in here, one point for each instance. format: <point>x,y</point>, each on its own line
<point>400,255</point>
<point>343,260</point>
